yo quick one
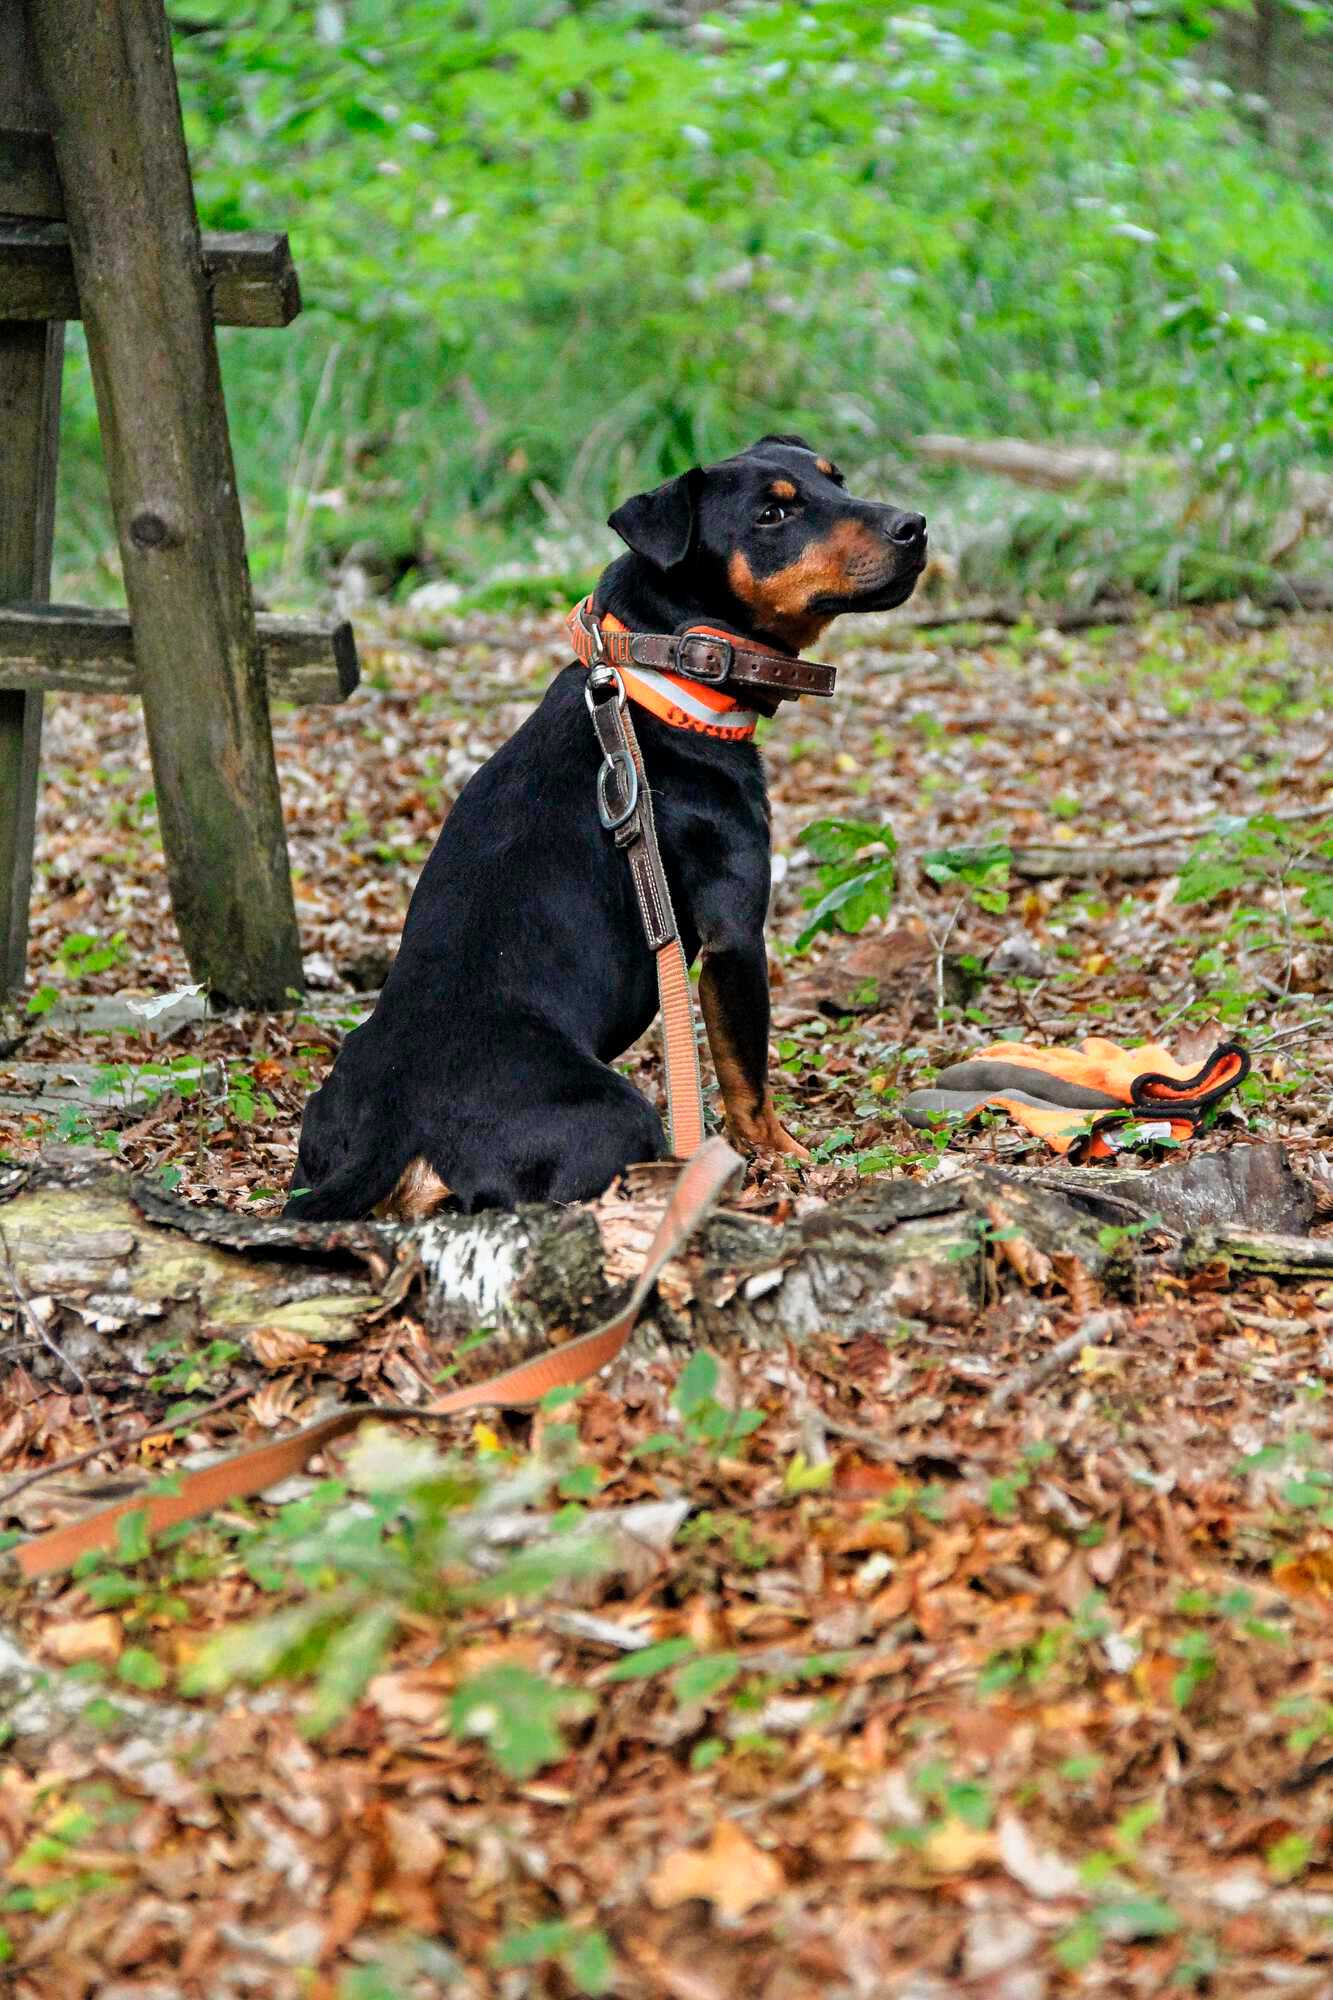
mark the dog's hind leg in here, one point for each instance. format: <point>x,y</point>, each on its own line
<point>567,1149</point>
<point>598,1141</point>
<point>352,1192</point>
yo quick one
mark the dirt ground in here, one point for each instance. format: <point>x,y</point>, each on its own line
<point>991,1681</point>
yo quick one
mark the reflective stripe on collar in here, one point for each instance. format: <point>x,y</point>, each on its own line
<point>686,705</point>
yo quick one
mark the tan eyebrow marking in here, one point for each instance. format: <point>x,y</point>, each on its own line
<point>824,465</point>
<point>782,489</point>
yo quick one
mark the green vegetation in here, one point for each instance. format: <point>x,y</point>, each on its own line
<point>551,250</point>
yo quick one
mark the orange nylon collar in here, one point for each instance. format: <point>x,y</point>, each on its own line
<point>684,703</point>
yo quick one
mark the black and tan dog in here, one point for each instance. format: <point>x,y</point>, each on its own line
<point>482,1075</point>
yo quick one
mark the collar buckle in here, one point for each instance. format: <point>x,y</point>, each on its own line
<point>718,656</point>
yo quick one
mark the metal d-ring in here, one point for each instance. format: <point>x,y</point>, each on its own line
<point>620,766</point>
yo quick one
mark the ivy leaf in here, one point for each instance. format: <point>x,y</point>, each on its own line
<point>651,1660</point>
<point>519,1715</point>
<point>140,1669</point>
<point>841,840</point>
<point>353,1656</point>
<point>1205,877</point>
<point>696,1383</point>
<point>852,903</point>
<point>701,1679</point>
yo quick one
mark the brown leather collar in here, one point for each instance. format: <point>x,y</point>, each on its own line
<point>700,653</point>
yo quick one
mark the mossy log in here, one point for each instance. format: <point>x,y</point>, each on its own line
<point>110,1267</point>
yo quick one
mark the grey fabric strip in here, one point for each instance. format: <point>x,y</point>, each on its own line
<point>928,1107</point>
<point>1014,1079</point>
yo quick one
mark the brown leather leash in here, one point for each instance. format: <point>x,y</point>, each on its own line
<point>625,807</point>
<point>697,1188</point>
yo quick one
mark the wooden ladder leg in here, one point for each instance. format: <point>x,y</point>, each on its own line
<point>31,353</point>
<point>129,202</point>
<point>30,362</point>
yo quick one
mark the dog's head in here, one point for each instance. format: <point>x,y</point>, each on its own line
<point>772,542</point>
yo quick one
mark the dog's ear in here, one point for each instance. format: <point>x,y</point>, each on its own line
<point>660,525</point>
<point>782,437</point>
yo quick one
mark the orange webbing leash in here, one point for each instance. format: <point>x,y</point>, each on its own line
<point>696,1190</point>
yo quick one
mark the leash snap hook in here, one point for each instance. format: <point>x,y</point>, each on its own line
<point>602,681</point>
<point>620,767</point>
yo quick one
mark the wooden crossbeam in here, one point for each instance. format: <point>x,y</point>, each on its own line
<point>250,275</point>
<point>51,647</point>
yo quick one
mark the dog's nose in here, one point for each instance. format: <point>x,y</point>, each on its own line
<point>904,530</point>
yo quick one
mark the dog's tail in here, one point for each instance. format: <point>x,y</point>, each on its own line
<point>352,1191</point>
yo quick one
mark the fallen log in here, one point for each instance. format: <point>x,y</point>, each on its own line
<point>1066,468</point>
<point>1255,1187</point>
<point>111,1268</point>
<point>104,1270</point>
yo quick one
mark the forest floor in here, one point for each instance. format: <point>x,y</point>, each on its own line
<point>967,1688</point>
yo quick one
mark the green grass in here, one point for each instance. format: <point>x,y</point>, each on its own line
<point>554,251</point>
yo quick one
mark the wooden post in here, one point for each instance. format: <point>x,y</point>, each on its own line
<point>30,364</point>
<point>129,202</point>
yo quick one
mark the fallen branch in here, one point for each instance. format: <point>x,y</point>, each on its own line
<point>1051,468</point>
<point>1142,857</point>
<point>1263,1253</point>
<point>1009,611</point>
<point>125,1437</point>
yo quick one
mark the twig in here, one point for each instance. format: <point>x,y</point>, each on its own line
<point>1287,1034</point>
<point>1096,1327</point>
<point>870,1441</point>
<point>123,1437</point>
<point>940,947</point>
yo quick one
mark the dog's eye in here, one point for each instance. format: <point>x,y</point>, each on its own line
<point>774,513</point>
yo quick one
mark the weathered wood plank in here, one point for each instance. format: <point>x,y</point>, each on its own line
<point>251,278</point>
<point>129,200</point>
<point>57,646</point>
<point>29,183</point>
<point>30,366</point>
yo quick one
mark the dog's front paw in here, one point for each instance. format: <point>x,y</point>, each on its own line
<point>762,1132</point>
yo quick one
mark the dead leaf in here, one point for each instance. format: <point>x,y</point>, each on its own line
<point>1041,1871</point>
<point>415,1847</point>
<point>1032,1265</point>
<point>1307,1575</point>
<point>83,1639</point>
<point>281,1346</point>
<point>955,1848</point>
<point>996,1939</point>
<point>731,1873</point>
